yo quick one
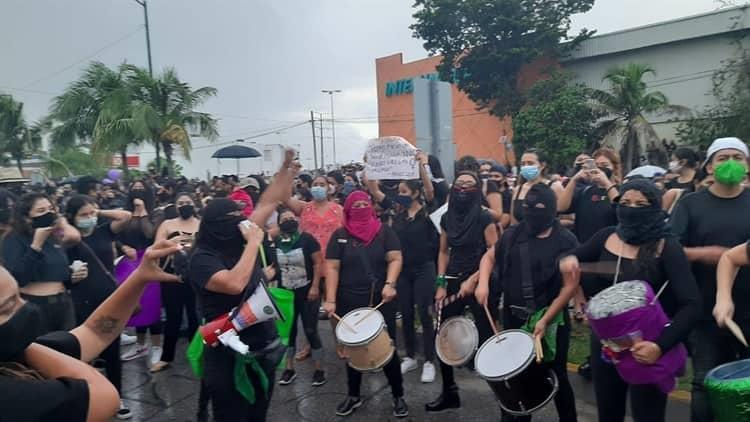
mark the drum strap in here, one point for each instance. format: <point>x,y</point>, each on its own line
<point>368,271</point>
<point>527,281</point>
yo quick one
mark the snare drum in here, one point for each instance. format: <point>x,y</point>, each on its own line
<point>368,347</point>
<point>728,388</point>
<point>507,362</point>
<point>456,341</point>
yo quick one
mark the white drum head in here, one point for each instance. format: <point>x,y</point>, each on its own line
<point>364,331</point>
<point>456,341</point>
<point>504,355</point>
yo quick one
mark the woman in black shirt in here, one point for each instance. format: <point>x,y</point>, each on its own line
<point>535,292</point>
<point>364,262</point>
<point>34,254</point>
<point>95,250</point>
<point>224,270</point>
<point>137,235</point>
<point>648,251</point>
<point>298,260</point>
<point>467,232</point>
<point>533,171</point>
<point>47,378</point>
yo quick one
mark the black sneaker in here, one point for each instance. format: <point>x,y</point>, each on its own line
<point>346,407</point>
<point>400,410</point>
<point>287,377</point>
<point>319,378</point>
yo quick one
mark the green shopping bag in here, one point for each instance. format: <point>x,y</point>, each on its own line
<point>195,354</point>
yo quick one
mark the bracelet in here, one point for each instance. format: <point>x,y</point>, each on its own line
<point>331,302</point>
<point>392,284</point>
<point>440,281</point>
<point>611,187</point>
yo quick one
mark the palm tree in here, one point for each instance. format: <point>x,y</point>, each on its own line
<point>17,138</point>
<point>163,110</point>
<point>80,112</point>
<point>626,103</point>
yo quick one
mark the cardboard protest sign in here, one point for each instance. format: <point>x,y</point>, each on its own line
<point>391,157</point>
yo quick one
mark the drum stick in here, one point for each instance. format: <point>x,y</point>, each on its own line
<point>166,262</point>
<point>538,349</point>
<point>490,319</point>
<point>370,312</point>
<point>338,318</point>
<point>736,330</point>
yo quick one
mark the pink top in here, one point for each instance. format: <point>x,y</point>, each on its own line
<point>321,226</point>
<point>240,196</point>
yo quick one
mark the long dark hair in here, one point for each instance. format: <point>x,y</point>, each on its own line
<point>435,167</point>
<point>415,185</point>
<point>22,210</point>
<point>149,199</point>
<point>75,203</point>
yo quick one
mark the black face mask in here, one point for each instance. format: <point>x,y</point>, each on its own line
<point>289,226</point>
<point>403,200</point>
<point>186,211</point>
<point>4,215</point>
<point>45,220</point>
<point>607,171</point>
<point>538,219</point>
<point>138,194</point>
<point>638,226</point>
<point>20,331</point>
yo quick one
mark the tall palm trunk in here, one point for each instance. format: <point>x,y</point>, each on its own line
<point>18,164</point>
<point>168,153</point>
<point>157,146</point>
<point>629,149</point>
<point>124,159</point>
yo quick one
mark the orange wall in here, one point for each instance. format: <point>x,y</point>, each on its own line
<point>474,132</point>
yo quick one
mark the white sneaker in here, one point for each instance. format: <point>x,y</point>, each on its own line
<point>155,355</point>
<point>126,340</point>
<point>428,372</point>
<point>124,413</point>
<point>135,352</point>
<point>408,364</point>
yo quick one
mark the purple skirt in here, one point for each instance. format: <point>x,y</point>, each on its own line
<point>649,321</point>
<point>150,301</point>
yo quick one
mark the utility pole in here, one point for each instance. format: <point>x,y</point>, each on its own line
<point>330,92</point>
<point>148,35</point>
<point>315,146</point>
<point>322,142</point>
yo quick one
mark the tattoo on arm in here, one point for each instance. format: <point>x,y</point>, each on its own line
<point>105,325</point>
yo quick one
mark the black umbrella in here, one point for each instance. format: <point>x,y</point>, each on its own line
<point>236,152</point>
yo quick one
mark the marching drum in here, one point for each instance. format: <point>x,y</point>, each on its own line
<point>728,388</point>
<point>456,341</point>
<point>365,340</point>
<point>507,362</point>
<point>624,314</point>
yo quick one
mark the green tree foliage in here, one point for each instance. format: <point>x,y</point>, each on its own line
<point>75,161</point>
<point>18,139</point>
<point>486,42</point>
<point>731,89</point>
<point>558,119</point>
<point>626,103</point>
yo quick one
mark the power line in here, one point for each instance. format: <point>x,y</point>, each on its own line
<point>90,56</point>
<point>259,135</point>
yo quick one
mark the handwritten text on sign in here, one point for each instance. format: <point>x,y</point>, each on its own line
<point>391,157</point>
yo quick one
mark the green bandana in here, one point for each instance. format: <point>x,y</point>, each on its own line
<point>549,341</point>
<point>730,172</point>
<point>241,381</point>
<point>287,244</point>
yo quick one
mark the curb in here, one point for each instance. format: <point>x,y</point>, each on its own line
<point>679,395</point>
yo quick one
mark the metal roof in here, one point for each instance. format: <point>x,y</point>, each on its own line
<point>704,25</point>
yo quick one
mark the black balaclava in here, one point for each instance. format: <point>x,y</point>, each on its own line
<point>218,229</point>
<point>639,226</point>
<point>20,331</point>
<point>539,209</point>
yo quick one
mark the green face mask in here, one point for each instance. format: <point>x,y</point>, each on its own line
<point>730,172</point>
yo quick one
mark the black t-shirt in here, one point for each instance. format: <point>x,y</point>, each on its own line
<point>418,236</point>
<point>675,184</point>
<point>352,253</point>
<point>703,219</point>
<point>28,265</point>
<point>680,300</point>
<point>593,210</point>
<point>465,259</point>
<point>543,258</point>
<point>295,267</point>
<point>94,289</point>
<point>206,262</point>
<point>51,400</point>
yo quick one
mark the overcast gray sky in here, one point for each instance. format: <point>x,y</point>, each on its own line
<point>268,59</point>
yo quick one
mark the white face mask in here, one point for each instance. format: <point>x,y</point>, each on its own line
<point>674,166</point>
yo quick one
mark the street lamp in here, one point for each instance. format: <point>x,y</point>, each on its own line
<point>330,92</point>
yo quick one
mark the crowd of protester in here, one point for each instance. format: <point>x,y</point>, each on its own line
<point>339,241</point>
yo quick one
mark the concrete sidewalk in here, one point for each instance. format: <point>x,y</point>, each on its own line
<point>172,395</point>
